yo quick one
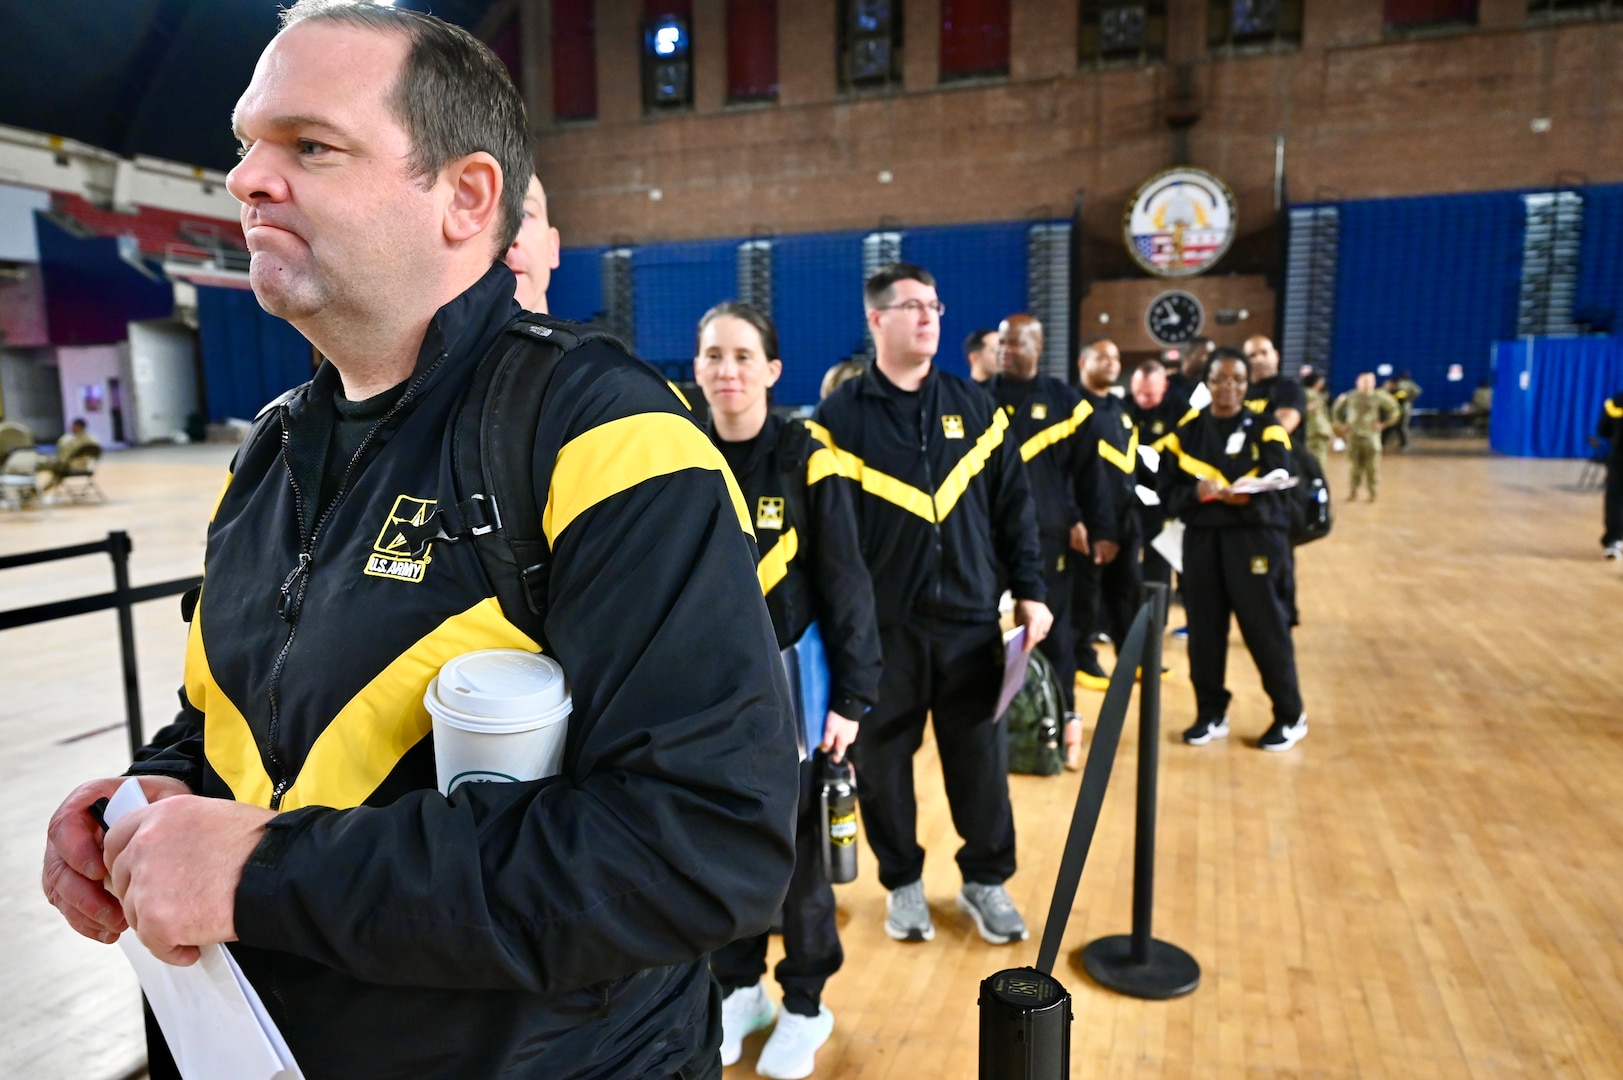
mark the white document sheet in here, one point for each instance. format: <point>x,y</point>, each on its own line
<point>1147,496</point>
<point>1170,544</point>
<point>1201,397</point>
<point>212,1018</point>
<point>1151,457</point>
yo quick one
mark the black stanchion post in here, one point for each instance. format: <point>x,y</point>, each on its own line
<point>1137,964</point>
<point>118,546</point>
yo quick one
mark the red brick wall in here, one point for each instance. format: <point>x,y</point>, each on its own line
<point>1363,116</point>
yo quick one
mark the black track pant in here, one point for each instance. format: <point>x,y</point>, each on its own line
<point>950,672</point>
<point>1108,596</point>
<point>1614,499</point>
<point>1059,566</point>
<point>811,942</point>
<point>1243,572</point>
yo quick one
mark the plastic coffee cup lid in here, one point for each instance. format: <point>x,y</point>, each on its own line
<point>501,684</point>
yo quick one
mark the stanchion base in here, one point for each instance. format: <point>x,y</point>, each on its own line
<point>1170,973</point>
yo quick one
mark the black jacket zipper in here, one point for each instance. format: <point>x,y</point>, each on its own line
<point>297,583</point>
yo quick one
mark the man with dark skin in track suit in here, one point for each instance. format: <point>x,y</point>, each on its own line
<point>1110,583</point>
<point>1054,429</point>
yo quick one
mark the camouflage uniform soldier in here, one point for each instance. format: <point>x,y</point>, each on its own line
<point>1360,416</point>
<point>1320,431</point>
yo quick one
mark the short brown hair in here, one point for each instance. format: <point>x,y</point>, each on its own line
<point>876,290</point>
<point>754,316</point>
<point>453,97</point>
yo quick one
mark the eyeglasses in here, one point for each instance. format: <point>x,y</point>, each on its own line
<point>917,308</point>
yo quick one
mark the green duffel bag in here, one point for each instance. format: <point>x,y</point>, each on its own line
<point>1036,718</point>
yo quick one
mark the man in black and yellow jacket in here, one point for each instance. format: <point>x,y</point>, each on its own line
<point>551,928</point>
<point>1109,583</point>
<point>1610,428</point>
<point>945,518</point>
<point>1058,440</point>
<point>1235,548</point>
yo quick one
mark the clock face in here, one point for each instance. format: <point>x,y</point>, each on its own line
<point>1173,318</point>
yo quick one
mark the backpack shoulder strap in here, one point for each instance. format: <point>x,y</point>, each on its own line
<point>493,465</point>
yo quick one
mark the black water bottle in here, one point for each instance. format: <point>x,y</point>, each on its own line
<point>839,805</point>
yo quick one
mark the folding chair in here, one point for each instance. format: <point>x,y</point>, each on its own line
<point>19,477</point>
<point>78,480</point>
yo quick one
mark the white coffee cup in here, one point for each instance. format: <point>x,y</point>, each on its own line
<point>499,715</point>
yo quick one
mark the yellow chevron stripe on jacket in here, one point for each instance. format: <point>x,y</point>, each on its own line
<point>1055,433</point>
<point>1192,465</point>
<point>1276,433</point>
<point>970,465</point>
<point>931,508</point>
<point>362,745</point>
<point>1126,462</point>
<point>774,565</point>
<point>618,455</point>
<point>1614,411</point>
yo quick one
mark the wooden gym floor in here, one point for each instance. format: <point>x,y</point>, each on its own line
<point>1431,885</point>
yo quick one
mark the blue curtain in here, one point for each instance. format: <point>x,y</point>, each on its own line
<point>576,289</point>
<point>249,355</point>
<point>816,293</point>
<point>1426,283</point>
<point>1548,395</point>
<point>1598,299</point>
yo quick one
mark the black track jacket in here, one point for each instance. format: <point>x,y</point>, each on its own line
<point>550,929</point>
<point>1117,442</point>
<point>945,514</point>
<point>1199,449</point>
<point>811,561</point>
<point>1057,436</point>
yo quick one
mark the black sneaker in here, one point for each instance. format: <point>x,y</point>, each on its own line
<point>1204,730</point>
<point>1283,736</point>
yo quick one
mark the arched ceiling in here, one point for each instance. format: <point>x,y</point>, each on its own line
<point>154,77</point>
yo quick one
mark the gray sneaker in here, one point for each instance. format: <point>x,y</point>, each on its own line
<point>993,912</point>
<point>907,916</point>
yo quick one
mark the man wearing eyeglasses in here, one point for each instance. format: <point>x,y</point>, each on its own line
<point>946,520</point>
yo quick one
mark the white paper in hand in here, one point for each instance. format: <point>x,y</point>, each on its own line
<point>212,1018</point>
<point>1170,544</point>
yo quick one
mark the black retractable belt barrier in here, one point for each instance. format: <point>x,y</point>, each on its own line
<point>1026,1012</point>
<point>1137,964</point>
<point>123,597</point>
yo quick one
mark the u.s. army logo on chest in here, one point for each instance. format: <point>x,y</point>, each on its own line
<point>1039,411</point>
<point>952,427</point>
<point>769,513</point>
<point>391,553</point>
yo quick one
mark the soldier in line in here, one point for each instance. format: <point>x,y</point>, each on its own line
<point>1404,391</point>
<point>1611,429</point>
<point>981,353</point>
<point>1360,415</point>
<point>1320,430</point>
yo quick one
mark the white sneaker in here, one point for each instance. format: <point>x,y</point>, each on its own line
<point>791,1052</point>
<point>743,1012</point>
<point>1615,550</point>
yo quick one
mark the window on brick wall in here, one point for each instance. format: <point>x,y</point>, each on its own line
<point>1573,9</point>
<point>1253,23</point>
<point>1408,14</point>
<point>870,44</point>
<point>667,55</point>
<point>1112,31</point>
<point>574,60</point>
<point>752,50</point>
<point>974,38</point>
